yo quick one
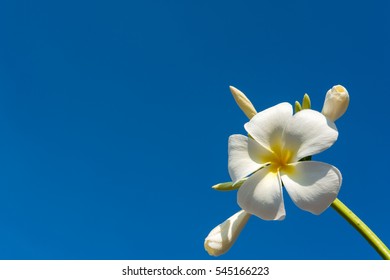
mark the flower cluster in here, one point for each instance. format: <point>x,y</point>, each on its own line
<point>274,156</point>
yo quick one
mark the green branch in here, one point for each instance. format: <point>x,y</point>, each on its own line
<point>362,228</point>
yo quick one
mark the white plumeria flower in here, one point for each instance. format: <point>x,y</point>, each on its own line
<point>278,140</point>
<point>223,236</point>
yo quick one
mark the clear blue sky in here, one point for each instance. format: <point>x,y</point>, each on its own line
<point>115,115</point>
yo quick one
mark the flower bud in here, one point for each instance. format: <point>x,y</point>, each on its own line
<point>222,237</point>
<point>243,102</point>
<point>306,103</point>
<point>336,102</point>
<point>229,186</point>
<point>297,107</point>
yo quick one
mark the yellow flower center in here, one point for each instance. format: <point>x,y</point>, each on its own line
<point>280,159</point>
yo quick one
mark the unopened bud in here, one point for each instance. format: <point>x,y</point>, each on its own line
<point>243,102</point>
<point>222,237</point>
<point>336,102</point>
<point>297,107</point>
<point>228,186</point>
<point>306,103</point>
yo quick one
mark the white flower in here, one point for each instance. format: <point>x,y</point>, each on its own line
<point>336,102</point>
<point>223,236</point>
<point>278,140</point>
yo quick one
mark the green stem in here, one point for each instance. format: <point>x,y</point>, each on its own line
<point>362,228</point>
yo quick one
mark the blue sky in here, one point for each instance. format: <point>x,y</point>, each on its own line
<point>115,116</point>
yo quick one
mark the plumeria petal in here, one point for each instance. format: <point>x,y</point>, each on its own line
<point>312,185</point>
<point>244,156</point>
<point>267,126</point>
<point>261,195</point>
<point>223,236</point>
<point>309,133</point>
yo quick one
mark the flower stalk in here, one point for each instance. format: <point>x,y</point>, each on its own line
<point>362,228</point>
